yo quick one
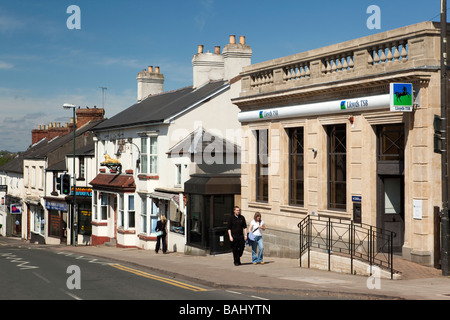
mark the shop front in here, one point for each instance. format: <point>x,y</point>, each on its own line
<point>57,220</point>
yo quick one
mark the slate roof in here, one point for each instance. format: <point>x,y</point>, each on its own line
<point>160,107</point>
<point>16,165</point>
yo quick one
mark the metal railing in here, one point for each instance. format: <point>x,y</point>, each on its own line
<point>344,237</point>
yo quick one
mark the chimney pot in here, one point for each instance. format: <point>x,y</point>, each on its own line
<point>217,50</point>
<point>200,48</point>
<point>156,69</point>
<point>150,69</point>
<point>232,39</point>
<point>242,39</point>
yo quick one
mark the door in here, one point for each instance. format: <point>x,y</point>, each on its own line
<point>391,215</point>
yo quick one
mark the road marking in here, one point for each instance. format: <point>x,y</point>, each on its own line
<point>41,277</point>
<point>22,263</point>
<point>158,278</point>
<point>71,295</point>
<point>233,292</point>
<point>260,298</point>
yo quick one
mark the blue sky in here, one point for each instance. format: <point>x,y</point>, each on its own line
<point>43,64</point>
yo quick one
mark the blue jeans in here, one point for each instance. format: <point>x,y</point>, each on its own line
<point>256,258</point>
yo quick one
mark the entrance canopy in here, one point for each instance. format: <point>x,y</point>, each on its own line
<point>223,184</point>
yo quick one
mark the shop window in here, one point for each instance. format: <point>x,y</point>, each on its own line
<point>337,167</point>
<point>262,166</point>
<point>296,167</point>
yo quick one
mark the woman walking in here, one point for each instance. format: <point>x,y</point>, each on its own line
<point>255,227</point>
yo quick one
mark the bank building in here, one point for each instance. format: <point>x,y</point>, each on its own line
<point>344,134</point>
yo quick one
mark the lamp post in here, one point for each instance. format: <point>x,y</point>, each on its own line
<point>72,219</point>
<point>445,147</point>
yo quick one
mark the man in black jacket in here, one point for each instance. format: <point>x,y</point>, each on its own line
<point>237,231</point>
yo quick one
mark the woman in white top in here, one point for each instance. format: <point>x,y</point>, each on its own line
<point>255,227</point>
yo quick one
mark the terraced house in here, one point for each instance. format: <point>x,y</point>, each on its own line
<point>320,140</point>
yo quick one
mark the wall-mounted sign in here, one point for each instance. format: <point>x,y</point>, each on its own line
<point>82,192</point>
<point>16,209</point>
<point>54,205</point>
<point>315,109</point>
<point>3,188</point>
<point>401,97</point>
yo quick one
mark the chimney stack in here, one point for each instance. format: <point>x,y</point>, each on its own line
<point>54,129</point>
<point>236,56</point>
<point>149,82</point>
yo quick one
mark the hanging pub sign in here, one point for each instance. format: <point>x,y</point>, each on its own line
<point>3,188</point>
<point>401,97</point>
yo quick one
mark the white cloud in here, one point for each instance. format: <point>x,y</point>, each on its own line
<point>6,65</point>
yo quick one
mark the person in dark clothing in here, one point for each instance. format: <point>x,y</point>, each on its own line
<point>237,231</point>
<point>161,234</point>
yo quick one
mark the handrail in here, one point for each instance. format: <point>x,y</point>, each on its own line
<point>357,240</point>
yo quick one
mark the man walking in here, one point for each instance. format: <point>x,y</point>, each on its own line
<point>237,231</point>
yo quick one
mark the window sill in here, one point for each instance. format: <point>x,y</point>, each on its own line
<point>148,176</point>
<point>294,209</point>
<point>143,236</point>
<point>261,205</point>
<point>127,231</point>
<point>99,223</point>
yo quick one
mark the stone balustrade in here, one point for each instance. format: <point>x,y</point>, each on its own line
<point>398,50</point>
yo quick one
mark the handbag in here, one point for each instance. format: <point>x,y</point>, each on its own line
<point>159,233</point>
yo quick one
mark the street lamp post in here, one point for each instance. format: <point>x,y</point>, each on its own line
<point>445,144</point>
<point>73,216</point>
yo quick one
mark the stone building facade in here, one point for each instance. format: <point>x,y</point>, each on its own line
<point>319,139</point>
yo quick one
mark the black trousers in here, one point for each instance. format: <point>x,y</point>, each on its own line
<point>164,243</point>
<point>238,246</point>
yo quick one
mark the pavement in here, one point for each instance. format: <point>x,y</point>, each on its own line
<point>282,275</point>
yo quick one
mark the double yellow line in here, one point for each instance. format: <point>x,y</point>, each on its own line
<point>158,278</point>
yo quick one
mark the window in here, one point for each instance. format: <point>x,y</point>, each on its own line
<point>131,212</point>
<point>144,214</point>
<point>81,168</point>
<point>39,221</point>
<point>391,144</point>
<point>149,155</point>
<point>178,174</point>
<point>262,166</point>
<point>41,177</point>
<point>144,156</point>
<point>153,155</point>
<point>337,167</point>
<point>104,206</point>
<point>296,167</point>
<point>121,211</point>
<point>95,204</point>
